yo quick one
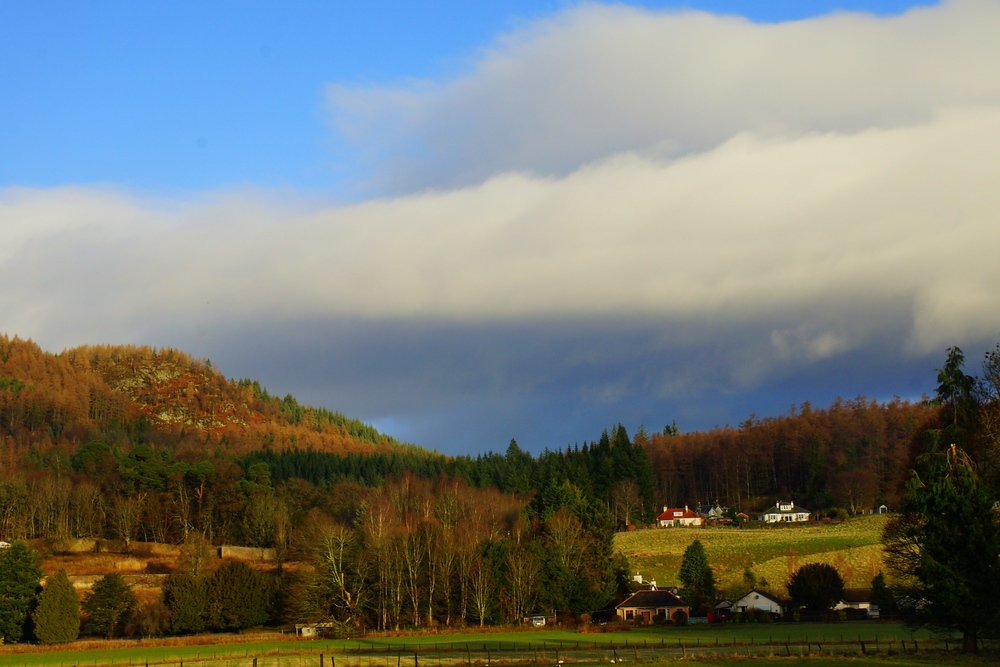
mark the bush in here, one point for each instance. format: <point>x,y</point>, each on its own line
<point>149,620</point>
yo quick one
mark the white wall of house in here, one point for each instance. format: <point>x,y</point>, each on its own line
<point>755,600</point>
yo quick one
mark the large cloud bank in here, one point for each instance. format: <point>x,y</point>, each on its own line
<point>615,213</point>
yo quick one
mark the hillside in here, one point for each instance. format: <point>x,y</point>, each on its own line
<point>114,393</point>
<point>854,547</point>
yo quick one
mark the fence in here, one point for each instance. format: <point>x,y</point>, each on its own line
<point>503,654</point>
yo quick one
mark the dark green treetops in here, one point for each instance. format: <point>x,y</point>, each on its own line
<point>816,586</point>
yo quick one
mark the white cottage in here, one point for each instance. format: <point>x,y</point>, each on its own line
<point>758,600</point>
<point>785,512</point>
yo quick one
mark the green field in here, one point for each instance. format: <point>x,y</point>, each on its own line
<point>777,641</point>
<point>853,547</point>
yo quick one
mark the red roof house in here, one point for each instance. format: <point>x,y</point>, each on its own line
<point>679,517</point>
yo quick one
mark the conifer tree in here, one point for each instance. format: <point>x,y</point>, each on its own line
<point>109,606</point>
<point>57,618</point>
<point>238,597</point>
<point>19,585</point>
<point>697,580</point>
<point>946,543</point>
<point>186,596</point>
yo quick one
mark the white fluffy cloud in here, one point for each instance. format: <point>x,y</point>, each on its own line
<point>599,80</point>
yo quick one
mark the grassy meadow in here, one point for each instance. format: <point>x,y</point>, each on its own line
<point>783,642</point>
<point>854,547</point>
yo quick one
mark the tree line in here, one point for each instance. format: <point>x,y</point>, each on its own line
<point>414,553</point>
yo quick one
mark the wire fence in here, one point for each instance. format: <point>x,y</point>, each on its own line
<point>550,654</point>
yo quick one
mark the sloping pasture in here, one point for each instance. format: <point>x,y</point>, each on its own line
<point>853,547</point>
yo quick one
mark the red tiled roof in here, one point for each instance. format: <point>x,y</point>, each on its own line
<point>678,513</point>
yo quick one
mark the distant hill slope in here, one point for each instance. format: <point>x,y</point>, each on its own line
<point>109,392</point>
<point>771,553</point>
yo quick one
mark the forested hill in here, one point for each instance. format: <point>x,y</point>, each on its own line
<point>128,394</point>
<point>138,443</point>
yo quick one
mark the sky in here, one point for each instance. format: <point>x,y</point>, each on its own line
<point>467,222</point>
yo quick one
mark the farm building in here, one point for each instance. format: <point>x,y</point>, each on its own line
<point>653,606</point>
<point>679,517</point>
<point>785,512</point>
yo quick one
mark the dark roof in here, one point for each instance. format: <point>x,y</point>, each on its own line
<point>856,595</point>
<point>653,599</point>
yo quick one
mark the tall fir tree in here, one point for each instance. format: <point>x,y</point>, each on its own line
<point>945,546</point>
<point>109,606</point>
<point>57,617</point>
<point>20,579</point>
<point>697,579</point>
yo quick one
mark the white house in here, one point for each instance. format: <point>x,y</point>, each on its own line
<point>785,512</point>
<point>679,517</point>
<point>855,598</point>
<point>758,600</point>
<point>4,545</point>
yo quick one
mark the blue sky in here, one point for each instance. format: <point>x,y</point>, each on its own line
<point>168,96</point>
<point>471,221</point>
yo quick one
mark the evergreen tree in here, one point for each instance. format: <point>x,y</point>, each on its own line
<point>882,596</point>
<point>109,606</point>
<point>816,586</point>
<point>955,393</point>
<point>238,597</point>
<point>946,544</point>
<point>697,580</point>
<point>186,596</point>
<point>57,617</point>
<point>19,585</point>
